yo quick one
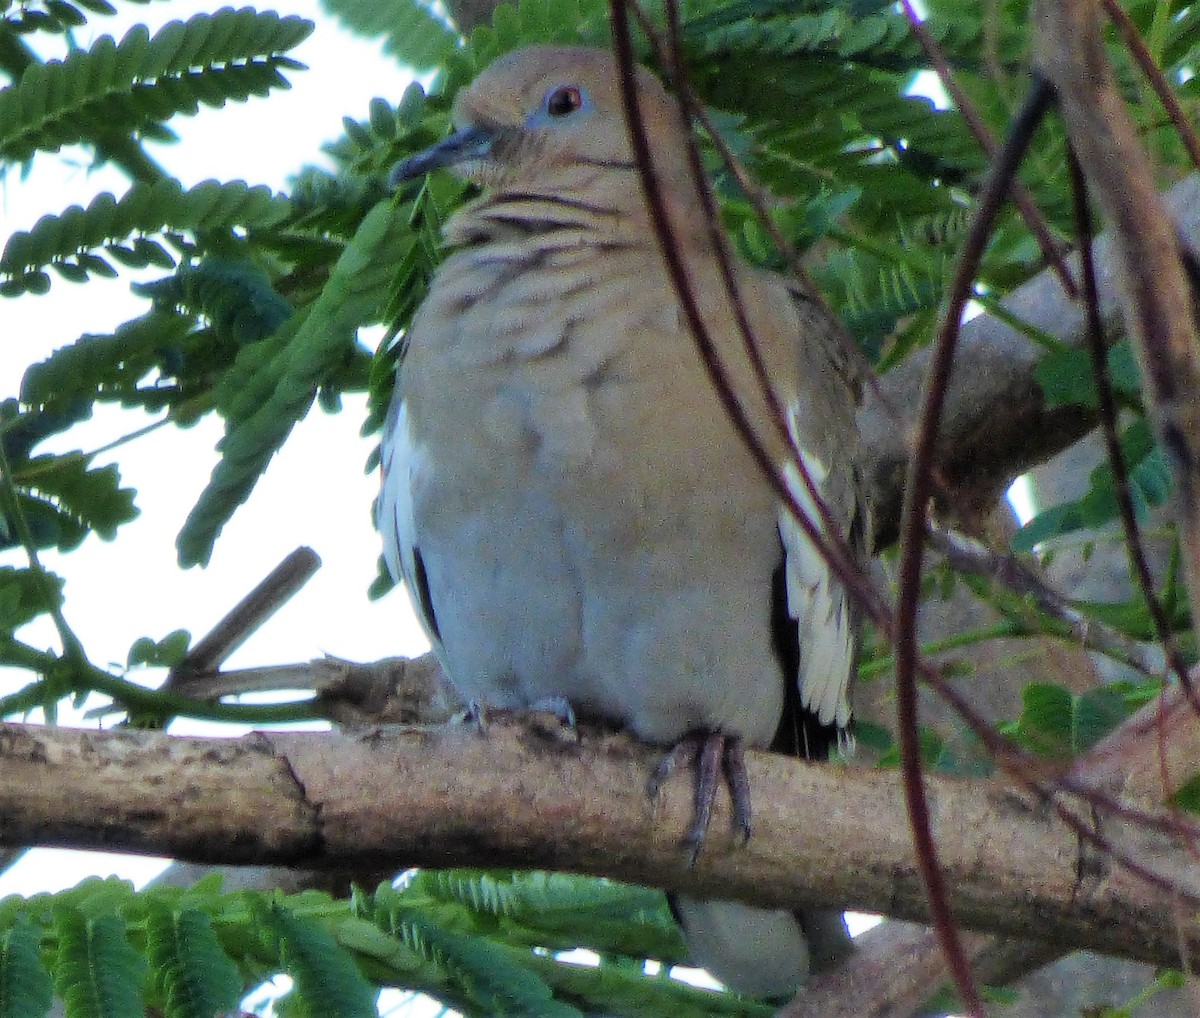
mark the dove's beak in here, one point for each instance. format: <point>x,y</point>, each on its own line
<point>466,145</point>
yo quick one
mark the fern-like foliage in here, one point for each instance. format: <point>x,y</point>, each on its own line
<point>123,86</point>
<point>469,938</point>
<point>61,497</point>
<point>98,973</point>
<point>496,985</point>
<point>327,979</point>
<point>273,382</point>
<point>65,499</point>
<point>554,910</point>
<point>572,22</point>
<point>112,367</point>
<point>69,242</point>
<point>415,33</point>
<point>190,972</point>
<point>26,990</point>
<point>236,297</point>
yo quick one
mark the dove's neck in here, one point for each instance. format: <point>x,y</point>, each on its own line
<point>574,204</point>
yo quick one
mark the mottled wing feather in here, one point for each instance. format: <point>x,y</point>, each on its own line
<point>817,601</point>
<point>821,422</point>
<point>816,598</point>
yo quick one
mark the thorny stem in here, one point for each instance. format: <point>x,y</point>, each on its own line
<point>969,638</point>
<point>969,556</point>
<point>1155,290</point>
<point>912,530</point>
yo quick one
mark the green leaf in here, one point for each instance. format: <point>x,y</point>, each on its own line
<point>1149,486</point>
<point>192,974</point>
<point>873,737</point>
<point>571,22</point>
<point>26,594</point>
<point>64,500</point>
<point>66,14</point>
<point>1150,480</point>
<point>98,6</point>
<point>553,910</point>
<point>1066,378</point>
<point>106,367</point>
<point>166,653</point>
<point>1133,617</point>
<point>235,295</point>
<point>26,990</point>
<point>1059,724</point>
<point>932,750</point>
<point>1086,513</point>
<point>98,973</point>
<point>272,383</point>
<point>496,982</point>
<point>412,32</point>
<point>328,982</point>
<point>1045,720</point>
<point>1096,713</point>
<point>145,208</point>
<point>123,87</point>
<point>1187,795</point>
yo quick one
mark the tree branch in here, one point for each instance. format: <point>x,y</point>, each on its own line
<point>897,967</point>
<point>995,424</point>
<point>1156,295</point>
<point>247,616</point>
<point>531,797</point>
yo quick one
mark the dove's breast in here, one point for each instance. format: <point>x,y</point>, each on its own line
<point>588,522</point>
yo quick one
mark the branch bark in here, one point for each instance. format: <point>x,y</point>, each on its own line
<point>521,795</point>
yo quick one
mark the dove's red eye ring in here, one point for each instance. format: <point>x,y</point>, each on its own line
<point>562,102</point>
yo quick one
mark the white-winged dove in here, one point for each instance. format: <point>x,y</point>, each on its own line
<point>571,508</point>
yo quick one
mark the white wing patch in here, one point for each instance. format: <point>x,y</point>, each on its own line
<point>816,601</point>
<point>400,458</point>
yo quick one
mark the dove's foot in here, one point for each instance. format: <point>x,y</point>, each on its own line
<point>715,755</point>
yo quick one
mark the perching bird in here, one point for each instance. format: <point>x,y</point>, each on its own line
<point>571,508</point>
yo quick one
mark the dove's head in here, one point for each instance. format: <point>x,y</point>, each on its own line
<point>538,113</point>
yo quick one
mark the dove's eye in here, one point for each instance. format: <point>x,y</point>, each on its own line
<point>564,100</point>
